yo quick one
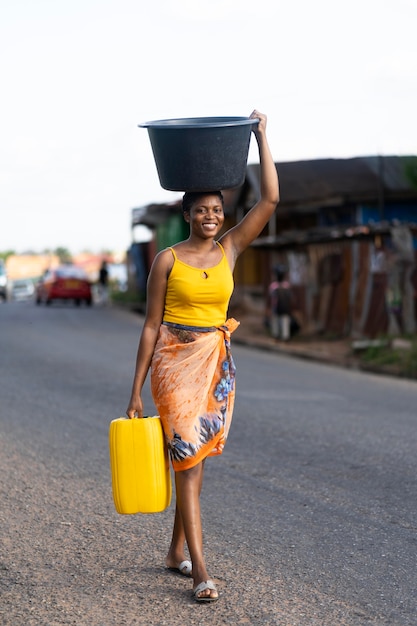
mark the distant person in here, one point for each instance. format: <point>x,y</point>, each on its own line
<point>280,305</point>
<point>103,283</point>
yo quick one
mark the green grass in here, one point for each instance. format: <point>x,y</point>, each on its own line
<point>401,361</point>
<point>127,299</point>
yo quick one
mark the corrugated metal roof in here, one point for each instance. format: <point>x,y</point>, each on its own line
<point>308,185</point>
<point>393,171</point>
<point>340,181</point>
<point>291,239</point>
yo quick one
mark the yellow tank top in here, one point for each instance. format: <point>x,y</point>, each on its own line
<point>198,297</point>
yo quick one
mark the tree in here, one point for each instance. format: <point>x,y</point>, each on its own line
<point>63,254</point>
<point>7,253</point>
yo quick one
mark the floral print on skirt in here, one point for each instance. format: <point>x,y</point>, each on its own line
<point>193,387</point>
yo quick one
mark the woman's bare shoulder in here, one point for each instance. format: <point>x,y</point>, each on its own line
<point>163,260</point>
<point>166,253</point>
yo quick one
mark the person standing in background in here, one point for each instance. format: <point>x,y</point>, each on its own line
<point>103,283</point>
<point>280,305</point>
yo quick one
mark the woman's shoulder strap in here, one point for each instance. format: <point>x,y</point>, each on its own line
<point>221,247</point>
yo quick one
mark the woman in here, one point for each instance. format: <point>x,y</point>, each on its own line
<point>186,342</point>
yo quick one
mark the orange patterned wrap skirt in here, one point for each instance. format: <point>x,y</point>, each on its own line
<point>193,387</point>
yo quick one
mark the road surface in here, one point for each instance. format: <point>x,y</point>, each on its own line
<point>309,515</point>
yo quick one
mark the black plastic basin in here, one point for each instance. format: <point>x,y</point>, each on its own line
<point>200,153</point>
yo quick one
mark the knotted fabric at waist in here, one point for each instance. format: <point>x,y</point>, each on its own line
<point>228,327</point>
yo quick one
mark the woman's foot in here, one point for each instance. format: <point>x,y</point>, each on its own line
<point>178,562</point>
<point>204,589</point>
<point>206,592</point>
<point>184,567</point>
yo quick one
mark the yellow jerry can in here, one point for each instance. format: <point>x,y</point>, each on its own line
<point>140,473</point>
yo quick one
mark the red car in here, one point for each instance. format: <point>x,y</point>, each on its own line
<point>67,282</point>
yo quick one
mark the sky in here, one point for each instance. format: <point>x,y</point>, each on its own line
<point>336,79</point>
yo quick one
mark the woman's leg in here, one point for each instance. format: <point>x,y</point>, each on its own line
<point>285,327</point>
<point>188,488</point>
<point>275,326</point>
<point>176,552</point>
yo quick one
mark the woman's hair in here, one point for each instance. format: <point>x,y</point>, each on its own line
<point>190,197</point>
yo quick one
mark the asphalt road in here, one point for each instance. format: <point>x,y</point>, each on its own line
<point>309,515</point>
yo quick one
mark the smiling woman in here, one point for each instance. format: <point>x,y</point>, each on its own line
<point>185,342</point>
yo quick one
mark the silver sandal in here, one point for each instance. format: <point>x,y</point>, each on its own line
<point>185,568</point>
<point>206,584</point>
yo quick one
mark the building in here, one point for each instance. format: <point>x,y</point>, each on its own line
<point>347,231</point>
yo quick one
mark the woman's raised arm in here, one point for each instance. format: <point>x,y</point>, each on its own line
<point>241,236</point>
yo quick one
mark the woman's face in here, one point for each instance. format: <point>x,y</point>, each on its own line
<point>206,216</point>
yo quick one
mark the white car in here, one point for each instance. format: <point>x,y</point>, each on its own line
<point>23,289</point>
